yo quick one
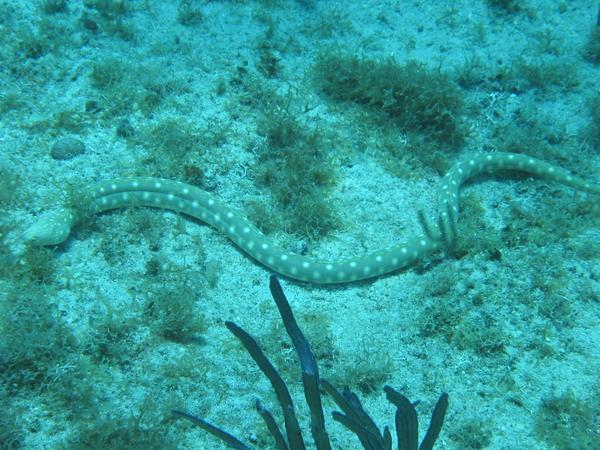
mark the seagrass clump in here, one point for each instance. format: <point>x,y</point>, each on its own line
<point>353,415</point>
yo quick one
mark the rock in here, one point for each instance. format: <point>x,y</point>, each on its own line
<point>67,148</point>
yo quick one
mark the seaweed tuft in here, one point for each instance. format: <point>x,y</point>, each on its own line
<point>352,415</point>
<point>410,95</point>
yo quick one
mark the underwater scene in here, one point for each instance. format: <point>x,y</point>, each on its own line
<point>300,224</point>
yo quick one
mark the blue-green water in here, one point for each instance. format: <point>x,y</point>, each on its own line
<point>329,124</point>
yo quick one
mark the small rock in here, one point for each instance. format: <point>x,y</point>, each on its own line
<point>67,148</point>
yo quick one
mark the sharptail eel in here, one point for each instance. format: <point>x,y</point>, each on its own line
<point>54,227</point>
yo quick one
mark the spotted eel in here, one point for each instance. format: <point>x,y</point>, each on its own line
<point>54,227</point>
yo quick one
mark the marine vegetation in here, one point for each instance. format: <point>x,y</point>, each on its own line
<point>353,416</point>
